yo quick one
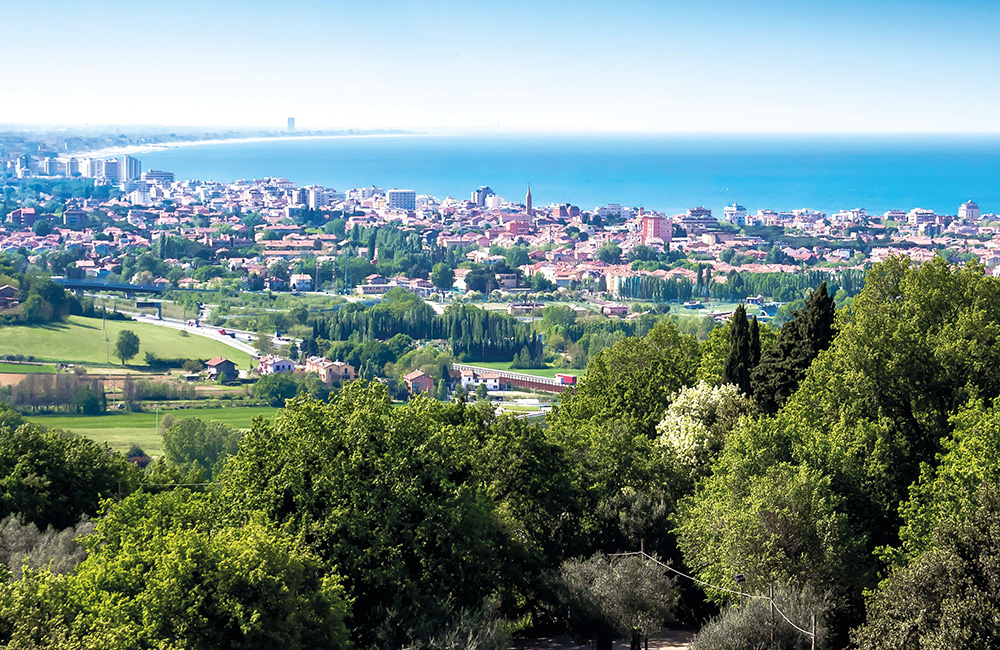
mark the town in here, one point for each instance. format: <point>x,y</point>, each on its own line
<point>264,233</point>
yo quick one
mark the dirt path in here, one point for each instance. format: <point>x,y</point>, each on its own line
<point>673,640</point>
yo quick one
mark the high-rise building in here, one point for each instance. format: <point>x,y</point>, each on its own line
<point>527,203</point>
<point>655,227</point>
<point>111,170</point>
<point>401,199</point>
<point>291,124</point>
<point>72,167</point>
<point>968,210</point>
<point>93,168</point>
<point>130,169</point>
<point>316,198</point>
<point>479,196</point>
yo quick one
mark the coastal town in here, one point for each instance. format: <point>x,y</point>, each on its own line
<point>271,233</point>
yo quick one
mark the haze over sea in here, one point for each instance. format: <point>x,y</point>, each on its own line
<point>666,173</point>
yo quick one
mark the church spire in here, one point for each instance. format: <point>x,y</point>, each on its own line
<point>527,203</point>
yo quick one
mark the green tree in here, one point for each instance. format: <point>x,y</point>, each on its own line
<point>127,345</point>
<point>201,586</point>
<point>610,253</point>
<point>630,596</point>
<point>52,479</point>
<point>384,494</point>
<point>736,370</point>
<point>193,443</point>
<point>275,389</point>
<point>783,366</point>
<point>948,595</point>
<point>442,276</point>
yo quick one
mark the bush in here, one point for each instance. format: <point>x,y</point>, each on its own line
<point>750,625</point>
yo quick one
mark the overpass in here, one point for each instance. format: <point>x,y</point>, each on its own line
<point>130,290</point>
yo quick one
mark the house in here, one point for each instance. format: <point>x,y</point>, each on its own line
<point>224,369</point>
<point>419,382</point>
<point>300,282</point>
<point>272,365</point>
<point>331,371</point>
<point>8,296</point>
<point>615,310</point>
<point>470,379</point>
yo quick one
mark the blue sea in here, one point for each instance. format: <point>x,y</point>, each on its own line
<point>667,173</point>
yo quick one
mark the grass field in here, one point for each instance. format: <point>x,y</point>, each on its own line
<point>538,372</point>
<point>26,368</point>
<point>120,430</point>
<point>81,340</point>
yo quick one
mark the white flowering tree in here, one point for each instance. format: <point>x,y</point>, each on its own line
<point>696,423</point>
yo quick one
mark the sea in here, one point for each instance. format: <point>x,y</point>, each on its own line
<point>659,172</point>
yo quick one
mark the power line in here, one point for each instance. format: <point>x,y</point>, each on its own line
<point>708,584</point>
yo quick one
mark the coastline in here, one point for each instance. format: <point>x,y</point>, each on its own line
<point>136,149</point>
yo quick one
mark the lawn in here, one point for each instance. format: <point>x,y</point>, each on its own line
<point>82,340</point>
<point>120,430</point>
<point>538,372</point>
<point>26,368</point>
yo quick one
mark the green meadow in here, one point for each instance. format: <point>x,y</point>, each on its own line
<point>82,340</point>
<point>120,430</point>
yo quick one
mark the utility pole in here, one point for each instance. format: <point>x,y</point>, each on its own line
<point>770,597</point>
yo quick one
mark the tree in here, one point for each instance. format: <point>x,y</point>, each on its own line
<point>481,392</point>
<point>739,361</point>
<point>53,480</point>
<point>275,389</point>
<point>610,253</point>
<point>202,586</point>
<point>127,345</point>
<point>694,429</point>
<point>442,276</point>
<point>783,366</point>
<point>947,596</point>
<point>385,494</point>
<point>631,596</point>
<point>192,443</point>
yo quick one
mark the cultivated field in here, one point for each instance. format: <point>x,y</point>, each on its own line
<point>120,430</point>
<point>81,340</point>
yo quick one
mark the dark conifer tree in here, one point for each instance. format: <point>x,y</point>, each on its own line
<point>738,364</point>
<point>800,340</point>
<point>754,344</point>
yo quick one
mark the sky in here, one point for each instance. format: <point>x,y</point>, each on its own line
<point>662,66</point>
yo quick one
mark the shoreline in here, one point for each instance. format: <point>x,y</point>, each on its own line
<point>135,149</point>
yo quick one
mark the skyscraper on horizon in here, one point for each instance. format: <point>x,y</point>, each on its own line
<point>291,124</point>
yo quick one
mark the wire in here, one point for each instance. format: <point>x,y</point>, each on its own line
<point>708,584</point>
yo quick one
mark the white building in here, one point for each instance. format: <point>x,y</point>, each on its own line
<point>968,210</point>
<point>735,214</point>
<point>272,365</point>
<point>918,216</point>
<point>401,199</point>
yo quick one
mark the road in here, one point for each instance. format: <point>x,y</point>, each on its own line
<point>243,341</point>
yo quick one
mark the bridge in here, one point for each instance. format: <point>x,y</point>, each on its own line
<point>519,379</point>
<point>130,290</point>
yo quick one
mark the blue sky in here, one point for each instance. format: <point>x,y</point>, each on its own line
<point>624,66</point>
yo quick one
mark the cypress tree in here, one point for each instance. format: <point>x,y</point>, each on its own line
<point>800,340</point>
<point>754,343</point>
<point>738,364</point>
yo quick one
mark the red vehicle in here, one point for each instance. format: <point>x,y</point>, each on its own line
<point>566,379</point>
<point>223,332</point>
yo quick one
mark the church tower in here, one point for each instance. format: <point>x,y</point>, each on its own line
<point>527,203</point>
